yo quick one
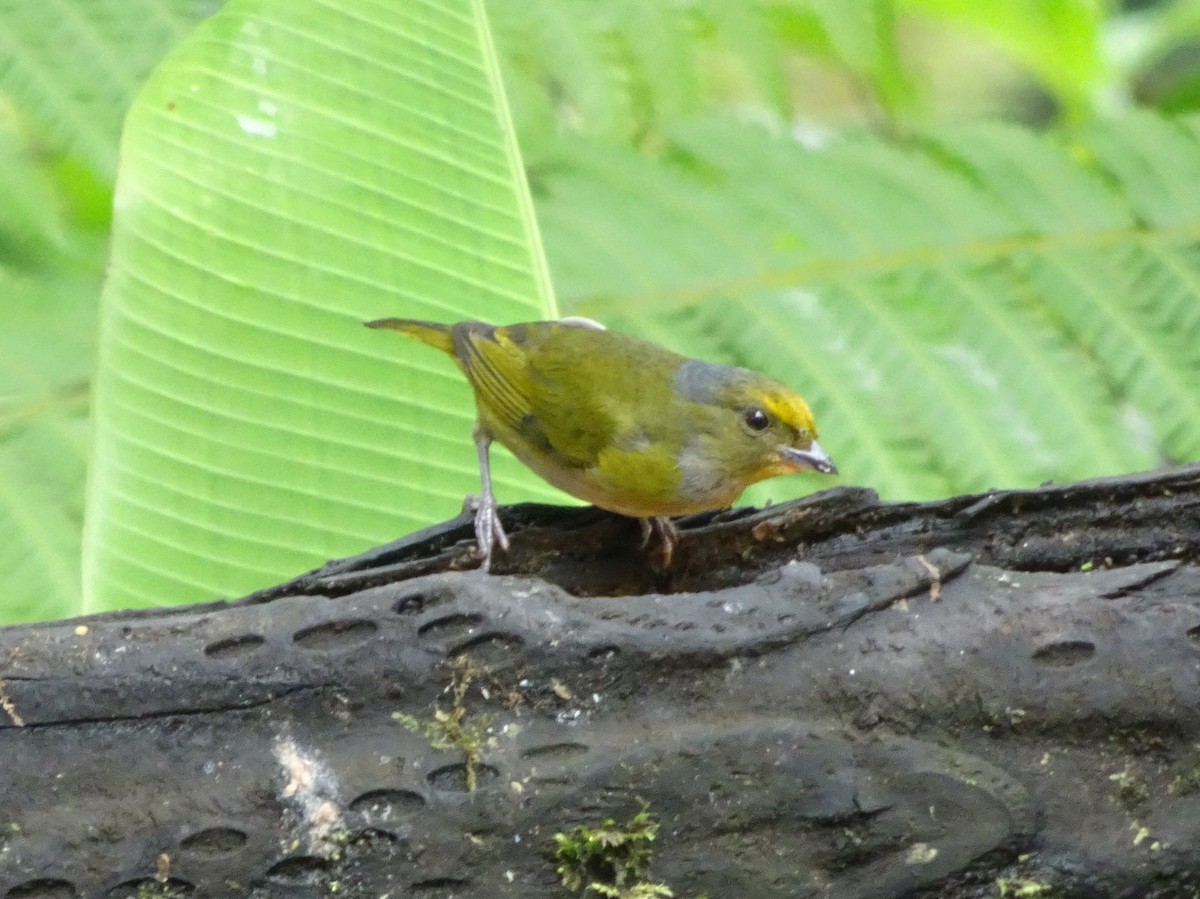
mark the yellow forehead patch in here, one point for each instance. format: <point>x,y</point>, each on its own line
<point>789,408</point>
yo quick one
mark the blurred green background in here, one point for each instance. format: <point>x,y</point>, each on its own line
<point>966,231</point>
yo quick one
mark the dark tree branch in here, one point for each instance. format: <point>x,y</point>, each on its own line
<point>835,697</point>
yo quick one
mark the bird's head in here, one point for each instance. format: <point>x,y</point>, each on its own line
<point>756,426</point>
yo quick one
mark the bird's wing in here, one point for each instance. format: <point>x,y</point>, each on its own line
<point>522,379</point>
<point>498,369</point>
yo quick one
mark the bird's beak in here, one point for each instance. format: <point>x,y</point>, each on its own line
<point>813,458</point>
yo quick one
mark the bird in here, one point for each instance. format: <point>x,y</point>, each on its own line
<point>618,421</point>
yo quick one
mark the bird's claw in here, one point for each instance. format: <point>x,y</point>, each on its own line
<point>668,536</point>
<point>489,532</point>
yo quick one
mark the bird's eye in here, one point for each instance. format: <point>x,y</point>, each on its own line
<point>757,419</point>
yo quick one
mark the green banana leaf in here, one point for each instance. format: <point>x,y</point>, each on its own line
<point>293,169</point>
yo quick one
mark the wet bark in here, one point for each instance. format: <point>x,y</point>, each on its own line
<point>836,697</point>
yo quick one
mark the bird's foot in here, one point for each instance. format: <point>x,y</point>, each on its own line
<point>489,532</point>
<point>668,539</point>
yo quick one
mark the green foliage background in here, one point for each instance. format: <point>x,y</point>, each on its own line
<point>967,232</point>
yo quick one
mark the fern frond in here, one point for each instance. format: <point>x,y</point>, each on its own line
<point>983,308</point>
<point>628,69</point>
<point>112,45</point>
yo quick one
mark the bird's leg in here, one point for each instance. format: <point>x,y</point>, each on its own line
<point>668,537</point>
<point>489,533</point>
<point>647,532</point>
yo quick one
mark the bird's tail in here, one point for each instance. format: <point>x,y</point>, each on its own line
<point>435,334</point>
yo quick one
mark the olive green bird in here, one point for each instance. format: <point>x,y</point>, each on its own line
<point>620,422</point>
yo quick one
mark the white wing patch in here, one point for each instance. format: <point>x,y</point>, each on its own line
<point>578,321</point>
